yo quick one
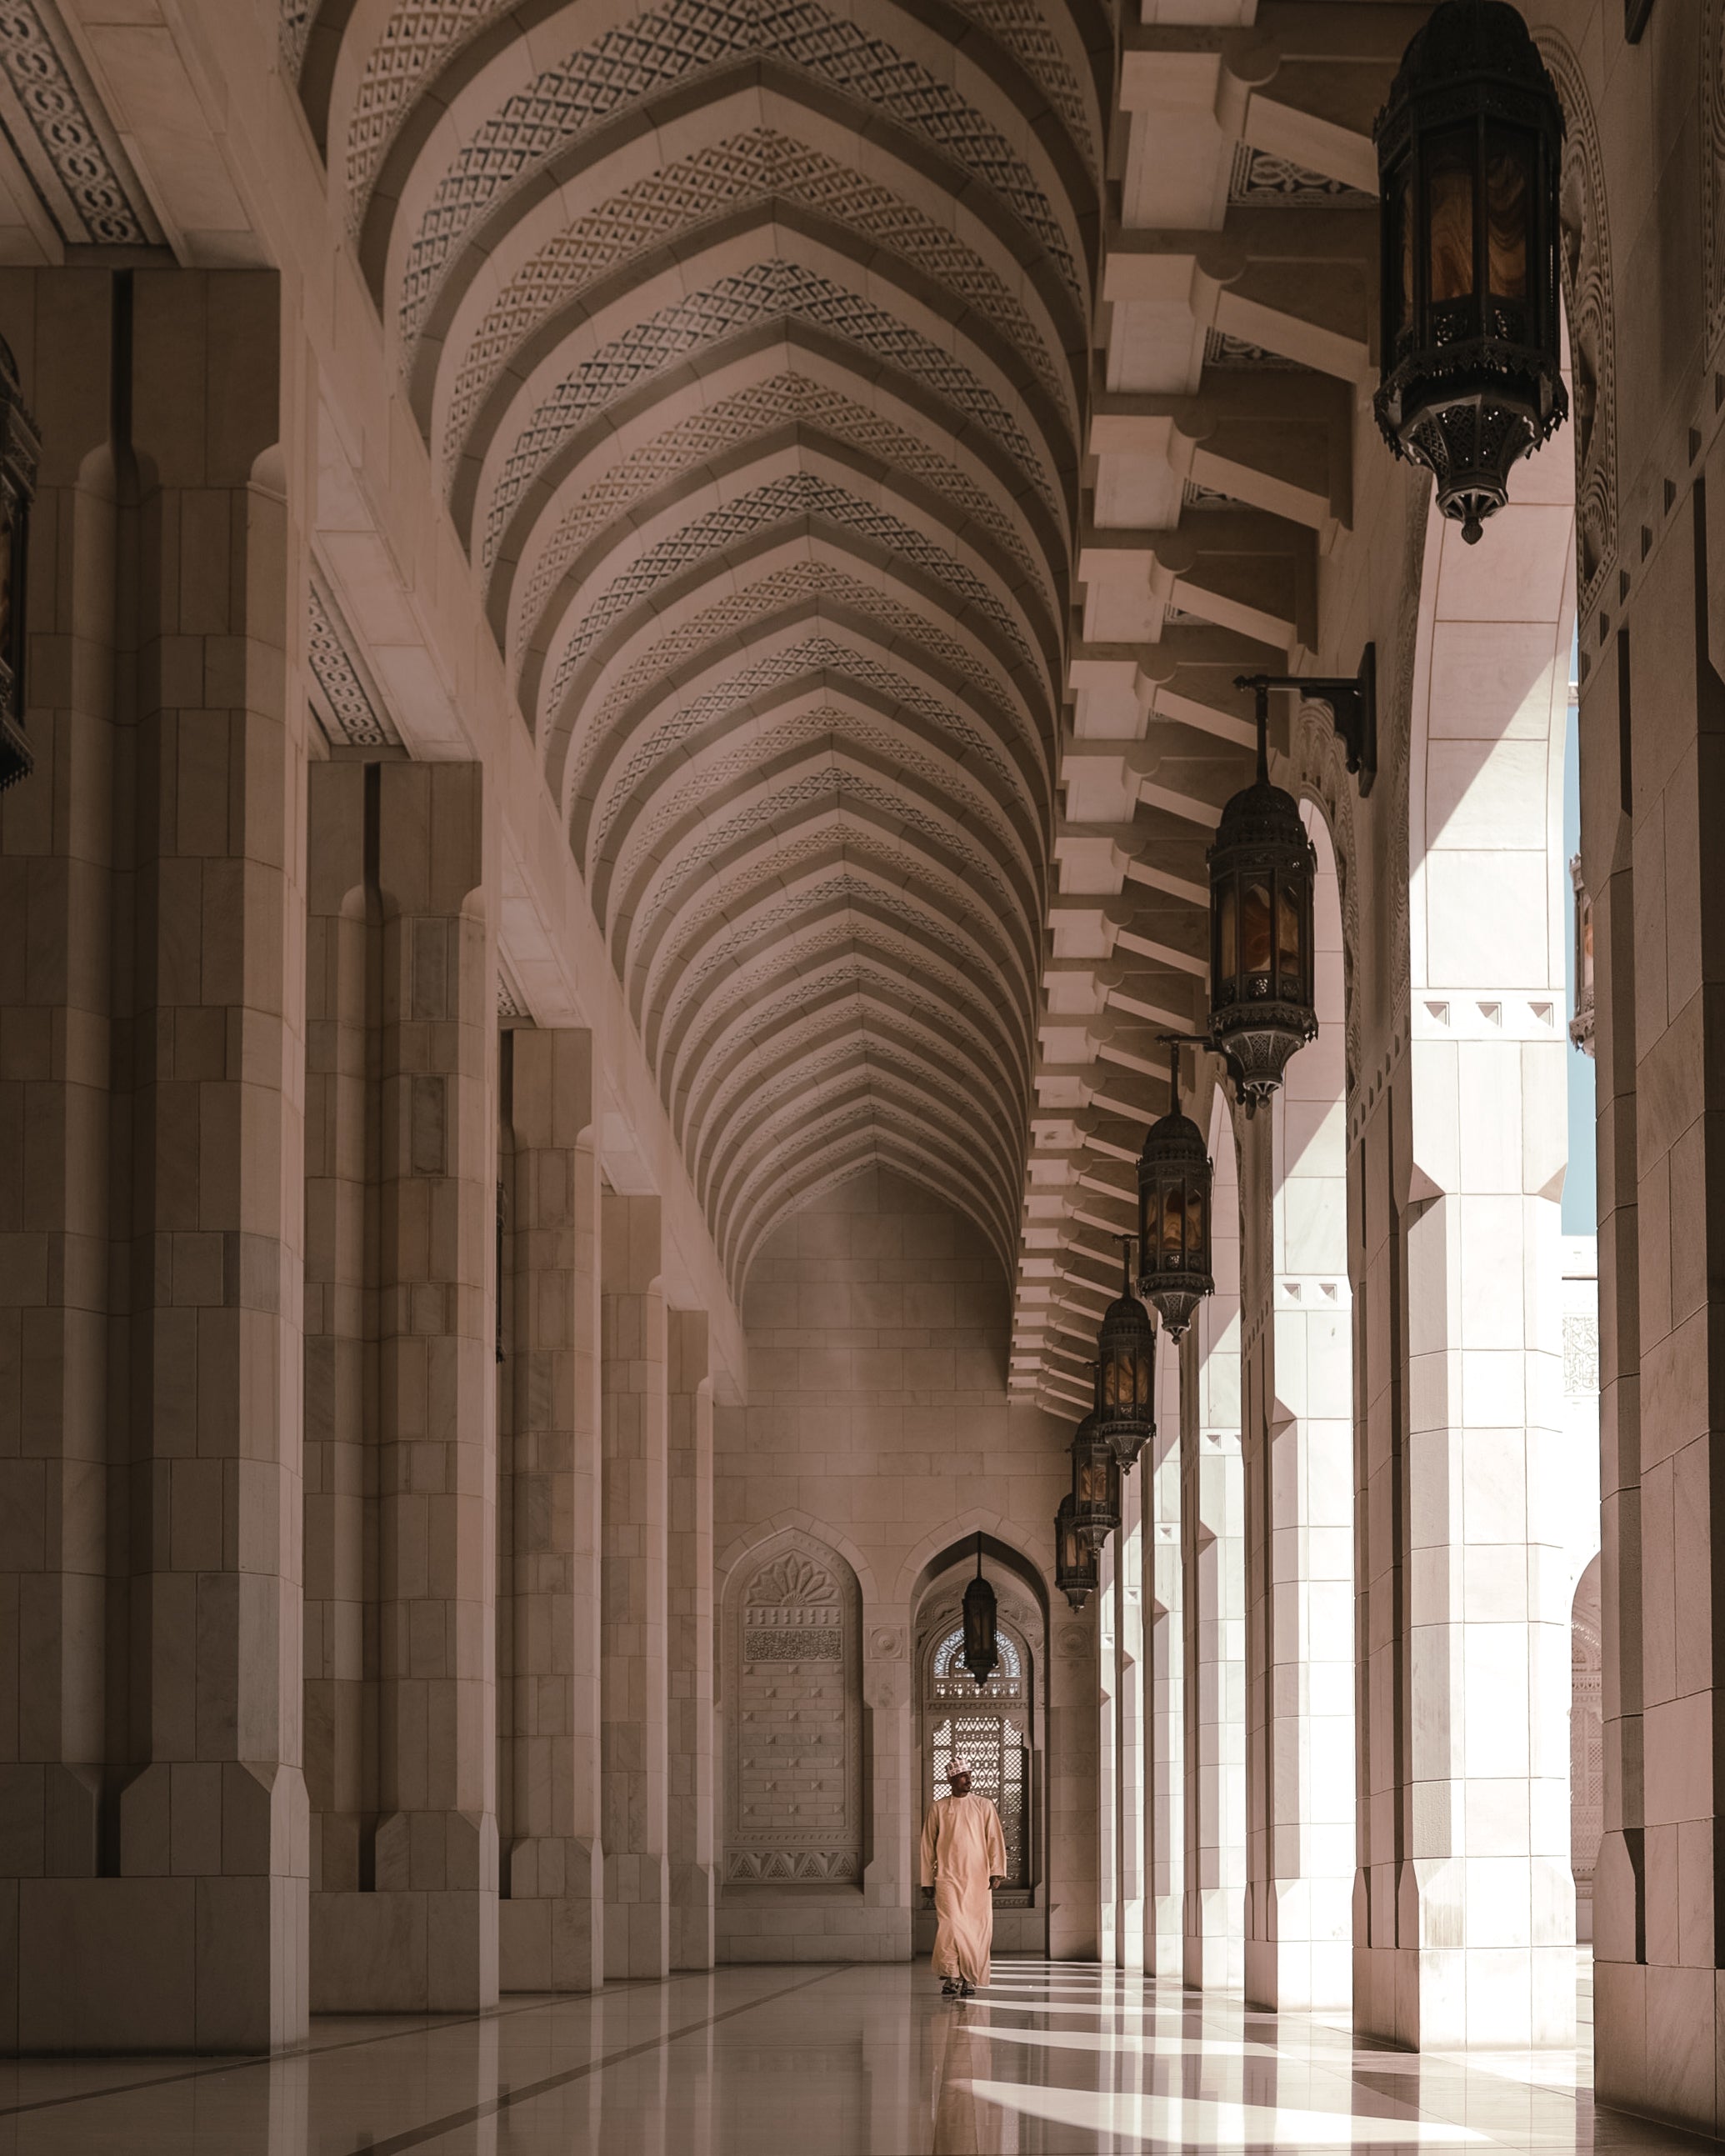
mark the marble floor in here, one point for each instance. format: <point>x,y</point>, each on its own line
<point>821,2061</point>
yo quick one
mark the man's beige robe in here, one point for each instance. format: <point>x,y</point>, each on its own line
<point>962,1847</point>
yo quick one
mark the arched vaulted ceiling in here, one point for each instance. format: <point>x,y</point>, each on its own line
<point>750,341</point>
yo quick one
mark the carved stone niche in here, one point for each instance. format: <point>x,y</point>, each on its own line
<point>793,1707</point>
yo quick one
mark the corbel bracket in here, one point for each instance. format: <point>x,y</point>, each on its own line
<point>1354,708</point>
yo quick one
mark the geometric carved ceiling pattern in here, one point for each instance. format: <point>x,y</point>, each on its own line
<point>764,448</point>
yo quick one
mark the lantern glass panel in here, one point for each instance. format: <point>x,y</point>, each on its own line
<point>1401,257</point>
<point>1254,931</point>
<point>1509,211</point>
<point>1227,944</point>
<point>1449,216</point>
<point>1290,922</point>
<point>1173,1220</point>
<point>1091,1479</point>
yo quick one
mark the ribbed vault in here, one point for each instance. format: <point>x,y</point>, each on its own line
<point>749,339</point>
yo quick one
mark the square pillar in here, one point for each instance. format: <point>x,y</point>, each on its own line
<point>551,1916</point>
<point>418,1930</point>
<point>1212,1528</point>
<point>690,1802</point>
<point>156,1806</point>
<point>634,1673</point>
<point>1299,1521</point>
<point>1660,1890</point>
<point>1164,1681</point>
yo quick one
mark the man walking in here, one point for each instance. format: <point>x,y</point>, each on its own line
<point>963,1861</point>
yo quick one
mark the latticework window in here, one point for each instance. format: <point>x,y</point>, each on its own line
<point>992,1745</point>
<point>949,1678</point>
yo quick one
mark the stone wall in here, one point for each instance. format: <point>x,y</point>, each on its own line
<point>878,1425</point>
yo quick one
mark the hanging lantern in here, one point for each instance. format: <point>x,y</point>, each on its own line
<point>1126,1369</point>
<point>20,446</point>
<point>1262,871</point>
<point>1095,1486</point>
<point>1174,1179</point>
<point>1468,162</point>
<point>982,1648</point>
<point>1075,1566</point>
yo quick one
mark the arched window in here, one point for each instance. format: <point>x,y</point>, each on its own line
<point>988,1726</point>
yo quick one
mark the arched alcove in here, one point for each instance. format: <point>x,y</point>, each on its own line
<point>791,1704</point>
<point>1000,1726</point>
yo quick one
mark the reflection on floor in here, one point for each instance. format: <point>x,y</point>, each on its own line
<point>1055,2058</point>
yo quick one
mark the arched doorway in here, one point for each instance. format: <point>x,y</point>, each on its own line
<point>998,1727</point>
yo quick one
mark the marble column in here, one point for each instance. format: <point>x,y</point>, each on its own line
<point>1660,1889</point>
<point>1129,1720</point>
<point>1108,1789</point>
<point>551,1919</point>
<point>342,987</point>
<point>634,1732</point>
<point>1212,1526</point>
<point>418,1932</point>
<point>690,1640</point>
<point>1075,1910</point>
<point>1164,1679</point>
<point>155,1846</point>
<point>1619,1910</point>
<point>1299,1514</point>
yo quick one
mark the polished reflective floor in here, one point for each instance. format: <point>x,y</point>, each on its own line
<point>824,2061</point>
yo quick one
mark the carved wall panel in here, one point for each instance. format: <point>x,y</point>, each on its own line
<point>792,1705</point>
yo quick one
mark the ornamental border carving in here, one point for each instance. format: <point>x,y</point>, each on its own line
<point>1589,304</point>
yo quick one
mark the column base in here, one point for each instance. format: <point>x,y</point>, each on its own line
<point>1673,2077</point>
<point>1438,1999</point>
<point>637,1915</point>
<point>1306,1965</point>
<point>1213,1958</point>
<point>551,1929</point>
<point>405,1951</point>
<point>190,1964</point>
<point>693,1927</point>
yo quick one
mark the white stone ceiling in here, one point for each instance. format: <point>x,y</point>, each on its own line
<point>751,340</point>
<point>873,514</point>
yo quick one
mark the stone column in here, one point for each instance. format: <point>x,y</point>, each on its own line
<point>1074,1728</point>
<point>1107,1792</point>
<point>150,1133</point>
<point>1212,1538</point>
<point>1299,1511</point>
<point>690,1643</point>
<point>422,1935</point>
<point>551,1935</point>
<point>1619,1912</point>
<point>1164,1680</point>
<point>341,1519</point>
<point>1129,1719</point>
<point>634,1788</point>
<point>1659,1892</point>
<point>1465,1907</point>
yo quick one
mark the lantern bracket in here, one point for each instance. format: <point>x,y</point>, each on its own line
<point>1354,708</point>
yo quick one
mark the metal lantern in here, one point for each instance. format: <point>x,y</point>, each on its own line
<point>1469,162</point>
<point>1096,1485</point>
<point>1075,1566</point>
<point>1174,1180</point>
<point>1263,868</point>
<point>20,447</point>
<point>1126,1369</point>
<point>981,1647</point>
